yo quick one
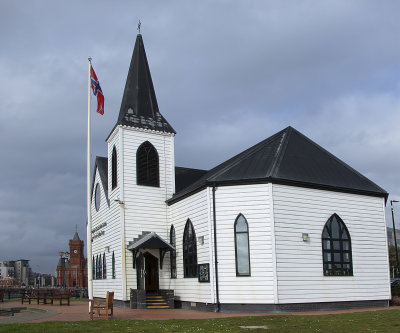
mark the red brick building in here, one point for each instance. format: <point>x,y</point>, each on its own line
<point>72,267</point>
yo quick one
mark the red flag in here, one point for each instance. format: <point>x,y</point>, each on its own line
<point>97,91</point>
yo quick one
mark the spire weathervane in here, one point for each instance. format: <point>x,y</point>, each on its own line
<point>139,25</point>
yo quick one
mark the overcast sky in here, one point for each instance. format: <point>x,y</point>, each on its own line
<point>227,75</point>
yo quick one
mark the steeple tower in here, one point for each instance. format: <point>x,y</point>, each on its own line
<point>139,107</point>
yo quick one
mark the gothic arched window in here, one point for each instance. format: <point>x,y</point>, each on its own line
<point>113,265</point>
<point>242,246</point>
<point>172,254</point>
<point>97,195</point>
<point>104,267</point>
<point>189,251</point>
<point>147,171</point>
<point>114,164</point>
<point>336,248</point>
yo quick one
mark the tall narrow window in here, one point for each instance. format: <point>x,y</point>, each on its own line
<point>147,171</point>
<point>97,267</point>
<point>114,164</point>
<point>94,268</point>
<point>242,247</point>
<point>189,251</point>
<point>100,268</point>
<point>172,253</point>
<point>336,248</point>
<point>97,197</point>
<point>104,267</point>
<point>113,265</point>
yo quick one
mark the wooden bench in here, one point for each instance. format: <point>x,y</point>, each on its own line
<point>102,307</point>
<point>40,295</point>
<point>57,294</point>
<point>28,295</point>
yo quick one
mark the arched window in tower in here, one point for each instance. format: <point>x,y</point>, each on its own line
<point>147,168</point>
<point>242,247</point>
<point>113,265</point>
<point>104,267</point>
<point>336,248</point>
<point>172,254</point>
<point>189,251</point>
<point>114,165</point>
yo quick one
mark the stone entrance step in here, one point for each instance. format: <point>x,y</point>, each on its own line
<point>156,302</point>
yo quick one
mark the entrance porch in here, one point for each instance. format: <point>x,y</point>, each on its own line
<point>148,293</point>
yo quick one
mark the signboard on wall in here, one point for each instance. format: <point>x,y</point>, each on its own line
<point>204,272</point>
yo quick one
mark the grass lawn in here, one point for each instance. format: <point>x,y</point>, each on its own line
<point>370,321</point>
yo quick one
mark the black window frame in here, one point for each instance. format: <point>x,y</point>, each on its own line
<point>336,247</point>
<point>104,266</point>
<point>97,266</point>
<point>172,254</point>
<point>114,169</point>
<point>147,165</point>
<point>236,245</point>
<point>93,268</point>
<point>113,265</point>
<point>100,268</point>
<point>97,194</point>
<point>189,251</point>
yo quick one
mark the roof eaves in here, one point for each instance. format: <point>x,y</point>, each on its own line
<point>280,181</point>
<point>102,178</point>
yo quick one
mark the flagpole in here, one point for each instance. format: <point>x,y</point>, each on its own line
<point>89,219</point>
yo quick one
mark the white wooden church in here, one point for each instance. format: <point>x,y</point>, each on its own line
<point>284,225</point>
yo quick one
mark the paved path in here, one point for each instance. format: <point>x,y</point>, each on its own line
<point>78,311</point>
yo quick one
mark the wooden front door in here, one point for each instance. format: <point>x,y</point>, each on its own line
<point>140,271</point>
<point>151,272</point>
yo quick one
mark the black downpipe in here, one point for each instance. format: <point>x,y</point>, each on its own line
<point>215,250</point>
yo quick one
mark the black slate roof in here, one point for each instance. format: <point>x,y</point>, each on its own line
<point>101,164</point>
<point>139,107</point>
<point>286,157</point>
<point>186,176</point>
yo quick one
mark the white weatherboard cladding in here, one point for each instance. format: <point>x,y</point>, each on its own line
<point>300,265</point>
<point>194,208</point>
<point>145,207</point>
<point>253,202</point>
<point>111,239</point>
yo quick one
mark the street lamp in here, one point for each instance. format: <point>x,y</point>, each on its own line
<point>63,256</point>
<point>395,238</point>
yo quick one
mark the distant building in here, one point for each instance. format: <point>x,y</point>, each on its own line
<point>7,269</point>
<point>390,236</point>
<point>72,269</point>
<point>23,272</point>
<point>43,280</point>
<point>18,269</point>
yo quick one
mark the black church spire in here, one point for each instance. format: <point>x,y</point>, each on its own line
<point>139,106</point>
